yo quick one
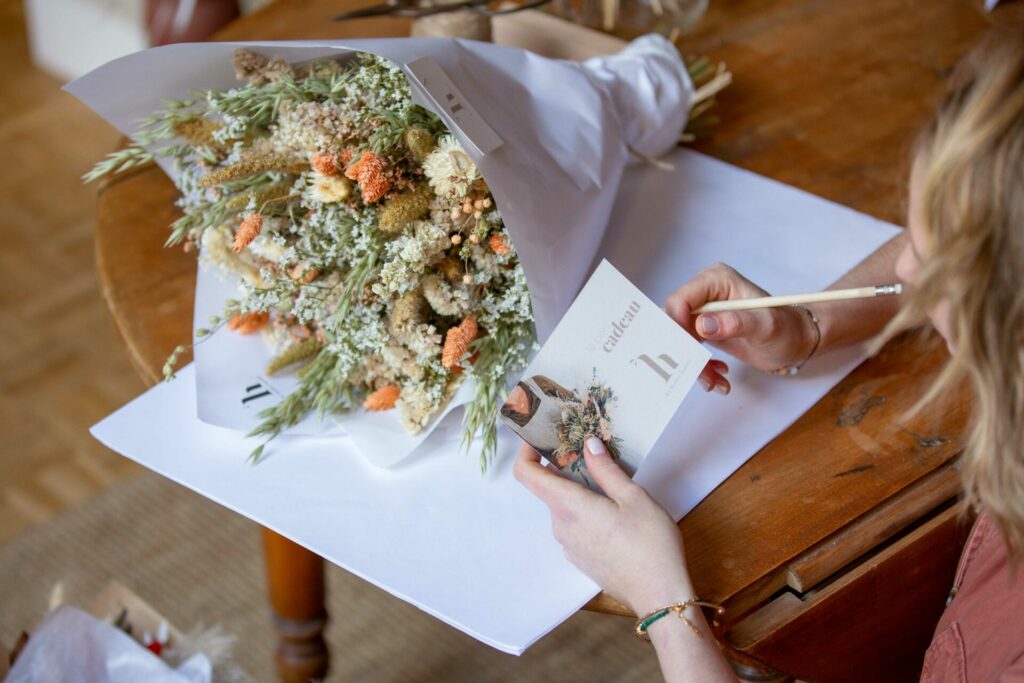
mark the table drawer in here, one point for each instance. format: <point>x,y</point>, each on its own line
<point>872,623</point>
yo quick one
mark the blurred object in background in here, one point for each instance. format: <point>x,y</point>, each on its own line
<point>120,639</point>
<point>186,21</point>
<point>632,18</point>
<point>465,23</point>
<point>72,37</point>
<point>469,19</point>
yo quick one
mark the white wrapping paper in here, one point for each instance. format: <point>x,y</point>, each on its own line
<point>71,646</point>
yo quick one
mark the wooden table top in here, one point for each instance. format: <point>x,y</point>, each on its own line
<point>826,97</point>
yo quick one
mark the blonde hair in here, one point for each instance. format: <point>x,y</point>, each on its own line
<point>969,176</point>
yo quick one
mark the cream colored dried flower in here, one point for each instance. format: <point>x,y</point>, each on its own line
<point>449,169</point>
<point>266,248</point>
<point>328,189</point>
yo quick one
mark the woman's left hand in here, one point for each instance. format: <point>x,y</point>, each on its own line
<point>623,540</point>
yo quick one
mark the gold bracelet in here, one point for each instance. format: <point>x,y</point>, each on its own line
<point>644,622</point>
<point>795,367</point>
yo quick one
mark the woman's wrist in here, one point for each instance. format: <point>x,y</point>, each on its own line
<point>657,594</point>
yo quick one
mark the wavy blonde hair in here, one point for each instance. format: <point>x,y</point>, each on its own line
<point>969,176</point>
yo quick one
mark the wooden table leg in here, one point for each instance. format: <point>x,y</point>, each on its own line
<point>295,577</point>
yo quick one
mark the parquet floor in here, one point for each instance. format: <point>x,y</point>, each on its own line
<point>62,367</point>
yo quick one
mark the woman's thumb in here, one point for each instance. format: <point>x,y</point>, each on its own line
<point>606,473</point>
<point>721,326</point>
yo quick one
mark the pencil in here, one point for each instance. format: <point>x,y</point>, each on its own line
<point>798,299</point>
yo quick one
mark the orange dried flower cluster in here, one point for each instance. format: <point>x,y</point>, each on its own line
<point>247,323</point>
<point>383,398</point>
<point>457,341</point>
<point>325,164</point>
<point>368,172</point>
<point>247,231</point>
<point>498,244</point>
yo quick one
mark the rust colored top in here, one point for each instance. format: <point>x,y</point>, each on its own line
<point>980,636</point>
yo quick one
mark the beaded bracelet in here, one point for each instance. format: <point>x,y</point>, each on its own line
<point>644,622</point>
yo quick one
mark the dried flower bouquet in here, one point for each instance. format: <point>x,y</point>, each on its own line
<point>372,254</point>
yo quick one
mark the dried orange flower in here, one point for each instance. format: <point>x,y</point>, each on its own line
<point>247,323</point>
<point>247,231</point>
<point>325,164</point>
<point>299,273</point>
<point>469,327</point>
<point>368,172</point>
<point>383,398</point>
<point>498,244</point>
<point>457,341</point>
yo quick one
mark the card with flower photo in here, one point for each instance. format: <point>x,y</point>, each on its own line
<point>616,367</point>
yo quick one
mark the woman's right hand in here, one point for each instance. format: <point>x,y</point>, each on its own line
<point>769,338</point>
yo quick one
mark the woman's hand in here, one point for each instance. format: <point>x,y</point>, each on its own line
<point>623,540</point>
<point>769,339</point>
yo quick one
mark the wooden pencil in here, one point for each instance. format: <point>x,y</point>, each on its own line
<point>799,299</point>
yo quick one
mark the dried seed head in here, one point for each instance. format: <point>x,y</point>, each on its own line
<point>420,142</point>
<point>457,341</point>
<point>403,209</point>
<point>254,164</point>
<point>247,231</point>
<point>198,131</point>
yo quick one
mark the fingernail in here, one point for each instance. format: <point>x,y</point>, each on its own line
<point>722,389</point>
<point>705,382</point>
<point>596,446</point>
<point>708,325</point>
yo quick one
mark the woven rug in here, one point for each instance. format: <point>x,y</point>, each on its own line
<point>197,562</point>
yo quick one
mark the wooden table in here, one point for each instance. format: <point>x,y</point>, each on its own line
<point>834,546</point>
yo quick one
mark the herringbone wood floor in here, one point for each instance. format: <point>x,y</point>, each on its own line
<point>62,367</point>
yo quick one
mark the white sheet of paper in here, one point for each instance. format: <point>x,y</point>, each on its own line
<point>476,551</point>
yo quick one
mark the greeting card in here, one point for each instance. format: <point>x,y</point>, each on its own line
<point>616,367</point>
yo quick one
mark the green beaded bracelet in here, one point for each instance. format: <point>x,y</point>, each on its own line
<point>644,622</point>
